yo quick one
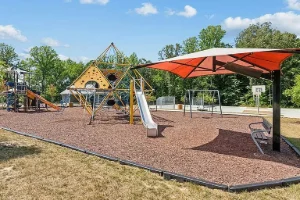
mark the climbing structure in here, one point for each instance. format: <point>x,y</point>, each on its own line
<point>17,90</point>
<point>106,83</point>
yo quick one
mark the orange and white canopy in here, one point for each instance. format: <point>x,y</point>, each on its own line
<point>212,61</point>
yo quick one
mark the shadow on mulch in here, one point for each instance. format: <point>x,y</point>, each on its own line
<point>161,129</point>
<point>241,145</point>
<point>160,119</point>
<point>10,151</point>
<point>37,112</point>
<point>111,119</point>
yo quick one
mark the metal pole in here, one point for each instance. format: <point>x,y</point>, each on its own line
<point>131,102</point>
<point>184,103</point>
<point>190,103</point>
<point>220,103</point>
<point>276,110</point>
<point>15,92</point>
<point>212,105</point>
<point>258,103</point>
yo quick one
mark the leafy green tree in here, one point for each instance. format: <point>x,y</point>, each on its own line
<point>294,92</point>
<point>190,45</point>
<point>71,70</point>
<point>211,37</point>
<point>45,60</point>
<point>264,36</point>
<point>171,82</point>
<point>2,75</point>
<point>51,92</point>
<point>8,54</point>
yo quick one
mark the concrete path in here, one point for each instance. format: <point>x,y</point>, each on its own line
<point>285,112</point>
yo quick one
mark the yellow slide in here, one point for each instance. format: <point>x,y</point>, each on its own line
<point>33,95</point>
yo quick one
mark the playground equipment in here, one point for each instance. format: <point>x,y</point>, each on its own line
<point>206,100</point>
<point>16,88</point>
<point>105,84</point>
<point>150,125</point>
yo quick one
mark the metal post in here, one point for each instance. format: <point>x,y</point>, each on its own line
<point>258,103</point>
<point>276,110</point>
<point>220,103</point>
<point>184,103</point>
<point>190,103</point>
<point>15,92</point>
<point>212,102</point>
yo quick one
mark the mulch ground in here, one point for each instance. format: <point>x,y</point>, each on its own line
<point>210,147</point>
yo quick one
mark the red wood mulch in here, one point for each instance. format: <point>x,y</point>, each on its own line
<point>209,147</point>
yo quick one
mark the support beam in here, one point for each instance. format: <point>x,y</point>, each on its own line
<point>131,110</point>
<point>276,110</point>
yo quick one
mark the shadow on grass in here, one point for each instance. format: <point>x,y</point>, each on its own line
<point>241,145</point>
<point>10,151</point>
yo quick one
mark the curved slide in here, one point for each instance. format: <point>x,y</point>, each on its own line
<point>151,126</point>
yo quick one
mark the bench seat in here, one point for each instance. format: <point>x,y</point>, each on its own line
<point>259,135</point>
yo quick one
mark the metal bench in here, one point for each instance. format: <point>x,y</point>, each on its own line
<point>258,134</point>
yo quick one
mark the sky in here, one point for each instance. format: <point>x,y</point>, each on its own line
<point>82,29</point>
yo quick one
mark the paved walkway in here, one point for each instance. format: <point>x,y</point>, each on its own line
<point>285,112</point>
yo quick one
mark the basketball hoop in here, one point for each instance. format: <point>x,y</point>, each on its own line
<point>257,90</point>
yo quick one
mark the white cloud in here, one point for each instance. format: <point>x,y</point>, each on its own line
<point>146,9</point>
<point>23,56</point>
<point>9,32</point>
<point>170,12</point>
<point>293,4</point>
<point>210,16</point>
<point>101,2</point>
<point>63,57</point>
<point>83,59</point>
<point>27,50</point>
<point>189,11</point>
<point>284,21</point>
<point>53,43</point>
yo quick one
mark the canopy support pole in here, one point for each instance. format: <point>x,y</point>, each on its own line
<point>276,110</point>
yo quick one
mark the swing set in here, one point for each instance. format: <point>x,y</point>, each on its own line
<point>206,100</point>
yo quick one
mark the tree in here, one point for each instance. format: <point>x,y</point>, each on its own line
<point>211,37</point>
<point>190,45</point>
<point>45,60</point>
<point>264,36</point>
<point>72,70</point>
<point>170,82</point>
<point>294,92</point>
<point>8,54</point>
<point>51,92</point>
<point>2,75</point>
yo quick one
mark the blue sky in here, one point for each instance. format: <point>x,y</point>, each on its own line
<point>82,29</point>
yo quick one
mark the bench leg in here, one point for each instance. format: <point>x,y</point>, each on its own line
<point>253,138</point>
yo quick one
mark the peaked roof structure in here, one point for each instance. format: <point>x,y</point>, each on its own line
<point>213,61</point>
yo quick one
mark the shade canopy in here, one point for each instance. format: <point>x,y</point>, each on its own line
<point>214,61</point>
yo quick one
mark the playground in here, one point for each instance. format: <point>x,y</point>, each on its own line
<point>210,147</point>
<point>113,118</point>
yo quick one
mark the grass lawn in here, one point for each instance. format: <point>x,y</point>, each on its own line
<point>290,129</point>
<point>31,169</point>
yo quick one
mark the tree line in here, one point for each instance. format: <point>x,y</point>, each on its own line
<point>51,75</point>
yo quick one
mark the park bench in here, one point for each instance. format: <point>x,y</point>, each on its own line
<point>258,134</point>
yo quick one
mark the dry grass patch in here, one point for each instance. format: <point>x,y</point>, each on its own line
<point>290,129</point>
<point>47,171</point>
